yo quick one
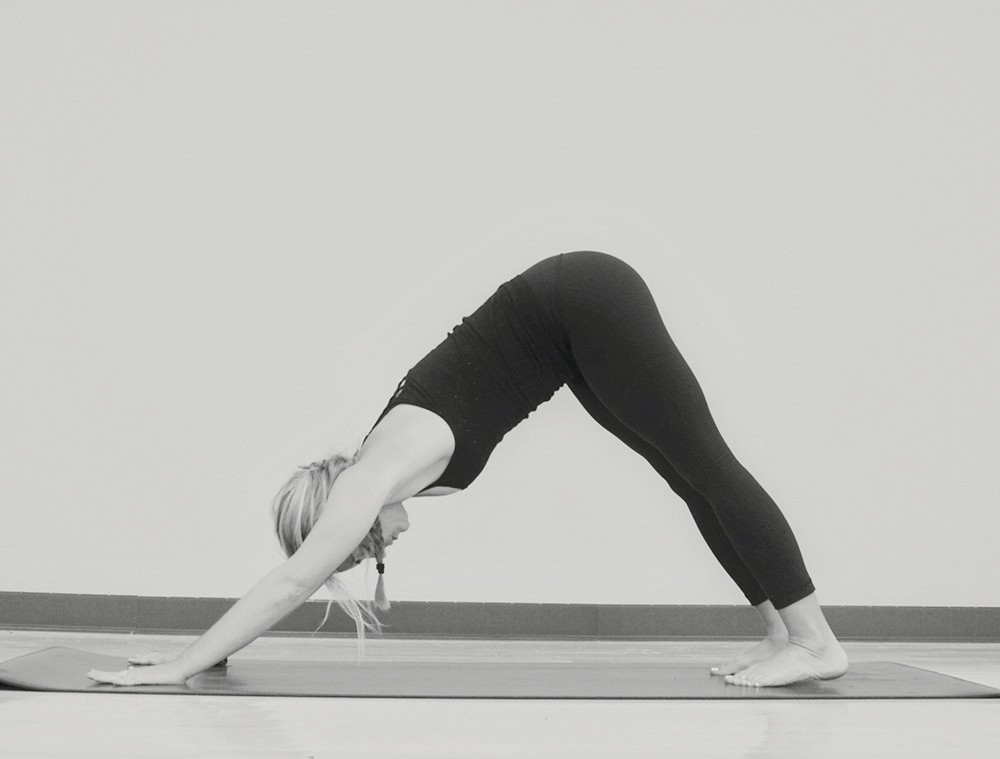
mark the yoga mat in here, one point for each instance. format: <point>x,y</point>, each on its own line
<point>65,669</point>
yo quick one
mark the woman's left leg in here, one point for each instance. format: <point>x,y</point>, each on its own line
<point>775,632</point>
<point>701,511</point>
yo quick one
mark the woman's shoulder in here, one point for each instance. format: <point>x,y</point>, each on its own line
<point>411,446</point>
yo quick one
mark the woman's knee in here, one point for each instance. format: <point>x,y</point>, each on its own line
<point>708,467</point>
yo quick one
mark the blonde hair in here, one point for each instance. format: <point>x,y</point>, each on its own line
<point>296,508</point>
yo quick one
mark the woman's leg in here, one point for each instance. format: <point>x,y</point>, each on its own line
<point>631,365</point>
<point>701,511</point>
<point>775,633</point>
<point>629,362</point>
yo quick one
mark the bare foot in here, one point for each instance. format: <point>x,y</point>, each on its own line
<point>763,650</point>
<point>794,663</point>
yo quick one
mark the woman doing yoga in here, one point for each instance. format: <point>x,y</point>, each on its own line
<point>582,319</point>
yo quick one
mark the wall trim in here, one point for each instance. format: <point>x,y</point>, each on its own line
<point>178,615</point>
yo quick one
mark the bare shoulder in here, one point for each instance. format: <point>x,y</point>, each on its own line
<point>411,446</point>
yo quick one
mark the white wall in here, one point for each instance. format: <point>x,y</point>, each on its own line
<point>229,228</point>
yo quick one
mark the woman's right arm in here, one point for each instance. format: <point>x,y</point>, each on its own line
<point>407,451</point>
<point>354,503</point>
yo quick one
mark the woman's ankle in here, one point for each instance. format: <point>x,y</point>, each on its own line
<point>774,625</point>
<point>805,622</point>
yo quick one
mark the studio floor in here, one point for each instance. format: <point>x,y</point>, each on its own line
<point>70,725</point>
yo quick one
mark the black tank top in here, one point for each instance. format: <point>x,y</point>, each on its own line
<point>494,368</point>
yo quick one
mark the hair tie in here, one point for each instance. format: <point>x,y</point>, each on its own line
<point>381,602</point>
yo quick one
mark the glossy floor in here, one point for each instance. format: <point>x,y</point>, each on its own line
<point>77,725</point>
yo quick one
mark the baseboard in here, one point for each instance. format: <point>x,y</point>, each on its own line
<point>140,614</point>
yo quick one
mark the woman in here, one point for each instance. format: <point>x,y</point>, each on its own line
<point>583,319</point>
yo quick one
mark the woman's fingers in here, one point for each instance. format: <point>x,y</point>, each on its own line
<point>153,675</point>
<point>124,677</point>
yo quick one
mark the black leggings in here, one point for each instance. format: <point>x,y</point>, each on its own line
<point>637,385</point>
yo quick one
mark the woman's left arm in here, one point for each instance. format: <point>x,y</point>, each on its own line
<point>353,505</point>
<point>269,601</point>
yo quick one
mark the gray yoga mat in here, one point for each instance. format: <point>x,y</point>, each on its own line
<point>65,669</point>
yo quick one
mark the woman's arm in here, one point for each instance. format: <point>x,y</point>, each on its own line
<point>355,500</point>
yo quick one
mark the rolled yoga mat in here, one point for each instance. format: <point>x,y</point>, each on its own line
<point>65,669</point>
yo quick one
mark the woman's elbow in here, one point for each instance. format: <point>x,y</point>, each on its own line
<point>293,585</point>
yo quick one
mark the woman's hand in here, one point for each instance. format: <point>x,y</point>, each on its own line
<point>158,658</point>
<point>157,674</point>
<point>154,658</point>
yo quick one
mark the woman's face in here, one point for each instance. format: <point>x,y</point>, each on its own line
<point>394,520</point>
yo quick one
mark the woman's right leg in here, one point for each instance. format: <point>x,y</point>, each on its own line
<point>623,352</point>
<point>628,360</point>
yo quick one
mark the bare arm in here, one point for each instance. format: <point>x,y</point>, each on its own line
<point>354,503</point>
<point>406,452</point>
